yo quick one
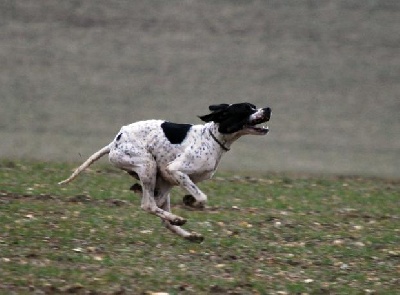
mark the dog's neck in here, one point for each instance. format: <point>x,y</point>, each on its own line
<point>221,144</point>
<point>224,141</point>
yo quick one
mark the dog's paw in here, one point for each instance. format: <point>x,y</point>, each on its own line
<point>178,221</point>
<point>195,238</point>
<point>190,201</point>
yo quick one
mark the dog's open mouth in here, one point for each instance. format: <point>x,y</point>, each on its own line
<point>255,122</point>
<point>263,129</point>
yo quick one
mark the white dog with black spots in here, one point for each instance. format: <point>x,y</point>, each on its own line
<point>162,154</point>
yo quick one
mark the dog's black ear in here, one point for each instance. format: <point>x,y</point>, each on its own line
<point>217,112</point>
<point>208,118</point>
<point>218,107</point>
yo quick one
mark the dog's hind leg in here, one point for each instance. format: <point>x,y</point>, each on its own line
<point>162,198</point>
<point>166,206</point>
<point>192,237</point>
<point>147,172</point>
<point>138,162</point>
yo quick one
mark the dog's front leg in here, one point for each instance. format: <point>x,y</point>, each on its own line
<point>175,174</point>
<point>190,236</point>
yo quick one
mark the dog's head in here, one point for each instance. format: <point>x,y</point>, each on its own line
<point>243,117</point>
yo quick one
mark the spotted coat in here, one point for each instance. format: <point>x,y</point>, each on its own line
<point>162,154</point>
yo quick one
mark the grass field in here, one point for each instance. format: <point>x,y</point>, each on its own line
<point>265,234</point>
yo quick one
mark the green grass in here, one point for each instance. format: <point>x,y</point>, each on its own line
<point>264,234</point>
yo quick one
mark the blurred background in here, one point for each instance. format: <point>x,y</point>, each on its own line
<point>72,72</point>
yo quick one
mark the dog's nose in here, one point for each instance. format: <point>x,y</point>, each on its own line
<point>267,112</point>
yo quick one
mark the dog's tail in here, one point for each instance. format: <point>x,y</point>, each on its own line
<point>97,155</point>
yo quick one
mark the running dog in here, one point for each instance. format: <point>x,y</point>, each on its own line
<point>161,154</point>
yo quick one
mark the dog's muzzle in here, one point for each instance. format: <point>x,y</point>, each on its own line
<point>259,117</point>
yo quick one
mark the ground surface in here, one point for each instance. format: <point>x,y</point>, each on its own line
<point>73,72</point>
<point>265,234</point>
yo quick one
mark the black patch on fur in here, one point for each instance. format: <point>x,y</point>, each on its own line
<point>174,132</point>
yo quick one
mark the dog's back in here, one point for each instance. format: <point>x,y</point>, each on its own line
<point>163,140</point>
